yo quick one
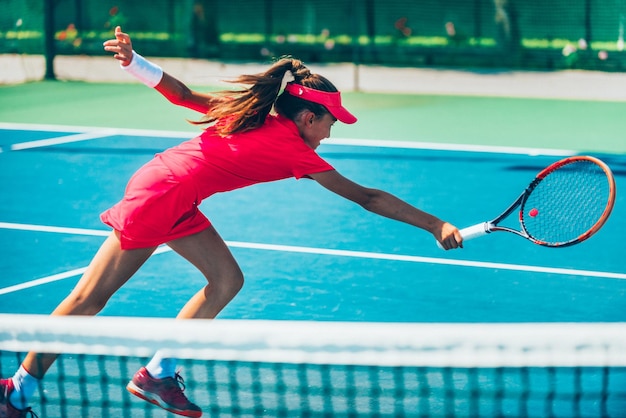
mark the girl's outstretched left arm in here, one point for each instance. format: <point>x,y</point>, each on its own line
<point>390,206</point>
<point>152,75</point>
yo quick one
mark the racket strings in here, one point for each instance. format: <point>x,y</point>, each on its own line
<point>567,203</point>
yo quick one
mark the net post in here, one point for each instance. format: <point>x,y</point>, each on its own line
<point>49,51</point>
<point>269,24</point>
<point>355,46</point>
<point>588,22</point>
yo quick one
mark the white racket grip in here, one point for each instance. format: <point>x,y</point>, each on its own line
<point>472,232</point>
<point>475,231</point>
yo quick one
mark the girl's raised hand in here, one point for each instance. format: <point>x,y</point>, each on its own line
<point>121,46</point>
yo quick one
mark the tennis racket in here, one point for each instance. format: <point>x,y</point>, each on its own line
<point>565,204</point>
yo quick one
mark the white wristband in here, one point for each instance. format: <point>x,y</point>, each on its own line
<point>143,70</point>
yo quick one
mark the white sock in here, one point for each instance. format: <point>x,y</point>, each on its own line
<point>25,387</point>
<point>161,367</point>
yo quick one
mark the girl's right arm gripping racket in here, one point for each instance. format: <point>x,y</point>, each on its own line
<point>565,204</point>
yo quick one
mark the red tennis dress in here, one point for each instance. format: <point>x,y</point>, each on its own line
<point>161,200</point>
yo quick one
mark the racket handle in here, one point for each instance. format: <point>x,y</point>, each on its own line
<point>475,231</point>
<point>472,232</point>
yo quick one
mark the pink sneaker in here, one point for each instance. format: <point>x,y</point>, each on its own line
<point>6,409</point>
<point>166,393</point>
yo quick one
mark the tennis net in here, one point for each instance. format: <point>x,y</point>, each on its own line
<point>253,368</point>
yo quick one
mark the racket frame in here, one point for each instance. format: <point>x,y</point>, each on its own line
<point>484,228</point>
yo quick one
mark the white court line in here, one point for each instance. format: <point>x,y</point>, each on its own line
<point>63,139</point>
<point>429,260</point>
<point>42,127</point>
<point>86,129</point>
<point>42,281</point>
<point>450,147</point>
<point>306,250</point>
<point>57,277</point>
<point>57,229</point>
<point>330,142</point>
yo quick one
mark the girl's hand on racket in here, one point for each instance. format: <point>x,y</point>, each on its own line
<point>448,236</point>
<point>121,46</point>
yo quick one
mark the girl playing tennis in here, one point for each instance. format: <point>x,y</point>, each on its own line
<point>266,132</point>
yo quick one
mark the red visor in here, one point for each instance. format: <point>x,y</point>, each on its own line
<point>330,100</point>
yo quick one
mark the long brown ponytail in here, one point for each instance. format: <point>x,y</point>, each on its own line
<point>243,110</point>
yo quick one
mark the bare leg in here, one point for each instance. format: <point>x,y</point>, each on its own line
<point>208,252</point>
<point>110,268</point>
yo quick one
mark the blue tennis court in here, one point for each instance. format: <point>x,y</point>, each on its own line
<point>306,253</point>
